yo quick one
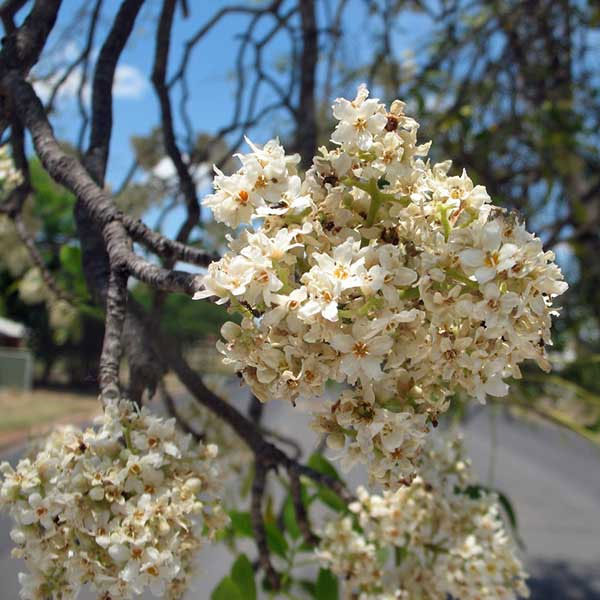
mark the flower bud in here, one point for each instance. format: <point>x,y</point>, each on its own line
<point>336,441</point>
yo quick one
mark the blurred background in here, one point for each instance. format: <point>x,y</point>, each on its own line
<point>508,89</point>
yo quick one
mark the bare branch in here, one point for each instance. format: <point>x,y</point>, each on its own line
<point>13,206</point>
<point>83,56</point>
<point>306,140</point>
<point>36,258</point>
<point>8,10</point>
<point>283,439</point>
<point>146,368</point>
<point>301,515</point>
<point>66,170</point>
<point>159,73</point>
<point>22,47</point>
<point>116,301</point>
<point>97,154</point>
<point>166,247</point>
<point>135,165</point>
<point>193,41</point>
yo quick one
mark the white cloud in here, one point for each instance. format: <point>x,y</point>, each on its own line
<point>68,89</point>
<point>129,84</point>
<point>166,172</point>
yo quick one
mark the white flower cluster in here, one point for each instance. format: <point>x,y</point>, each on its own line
<point>10,176</point>
<point>235,458</point>
<point>13,253</point>
<point>380,271</point>
<point>440,537</point>
<point>123,508</point>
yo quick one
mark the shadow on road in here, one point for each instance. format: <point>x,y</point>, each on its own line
<point>559,580</point>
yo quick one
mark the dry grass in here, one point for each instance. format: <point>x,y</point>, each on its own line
<point>27,412</point>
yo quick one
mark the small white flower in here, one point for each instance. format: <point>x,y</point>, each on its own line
<point>359,120</point>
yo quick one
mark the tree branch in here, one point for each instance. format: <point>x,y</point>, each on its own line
<point>8,10</point>
<point>97,204</point>
<point>83,55</point>
<point>159,74</point>
<point>22,47</point>
<point>97,154</point>
<point>166,247</point>
<point>110,359</point>
<point>306,140</point>
<point>301,515</point>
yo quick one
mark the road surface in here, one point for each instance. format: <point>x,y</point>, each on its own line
<point>551,477</point>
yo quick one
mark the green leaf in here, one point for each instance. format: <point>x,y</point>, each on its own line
<point>241,523</point>
<point>227,590</point>
<point>275,540</point>
<point>247,483</point>
<point>382,555</point>
<point>70,259</point>
<point>508,508</point>
<point>289,519</point>
<point>511,515</point>
<point>331,499</point>
<point>242,574</point>
<point>327,585</point>
<point>399,555</point>
<point>310,587</point>
<point>320,464</point>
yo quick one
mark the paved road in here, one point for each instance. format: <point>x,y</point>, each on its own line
<point>552,478</point>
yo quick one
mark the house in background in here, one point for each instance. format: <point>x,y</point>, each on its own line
<point>16,360</point>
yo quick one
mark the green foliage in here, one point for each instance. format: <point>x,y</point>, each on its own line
<point>59,335</point>
<point>285,541</point>
<point>242,574</point>
<point>185,319</point>
<point>241,523</point>
<point>239,584</point>
<point>53,205</point>
<point>319,463</point>
<point>275,539</point>
<point>289,519</point>
<point>227,590</point>
<point>327,586</point>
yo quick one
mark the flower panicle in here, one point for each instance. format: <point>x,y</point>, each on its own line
<point>381,271</point>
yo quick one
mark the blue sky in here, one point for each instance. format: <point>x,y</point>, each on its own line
<point>211,73</point>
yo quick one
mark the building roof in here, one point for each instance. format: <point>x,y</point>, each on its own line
<point>12,329</point>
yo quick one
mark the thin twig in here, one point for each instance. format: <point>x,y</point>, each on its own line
<point>258,524</point>
<point>97,153</point>
<point>301,514</point>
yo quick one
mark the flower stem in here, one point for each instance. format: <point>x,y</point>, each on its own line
<point>377,196</point>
